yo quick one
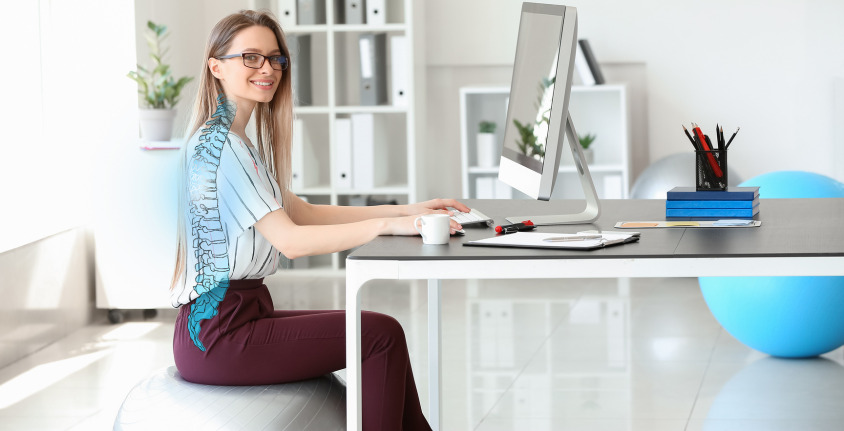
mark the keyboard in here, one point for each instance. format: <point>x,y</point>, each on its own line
<point>473,217</point>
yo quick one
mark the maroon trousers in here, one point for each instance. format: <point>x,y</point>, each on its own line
<point>250,343</point>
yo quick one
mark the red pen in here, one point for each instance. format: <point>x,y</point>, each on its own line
<point>516,227</point>
<point>712,161</point>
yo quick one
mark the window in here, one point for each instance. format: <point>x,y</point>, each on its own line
<point>60,108</point>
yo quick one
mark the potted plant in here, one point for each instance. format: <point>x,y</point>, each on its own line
<point>487,150</point>
<point>159,90</point>
<point>586,142</point>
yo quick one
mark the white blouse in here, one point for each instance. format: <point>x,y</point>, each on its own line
<point>228,190</point>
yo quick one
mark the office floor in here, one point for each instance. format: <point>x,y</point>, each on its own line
<point>607,354</point>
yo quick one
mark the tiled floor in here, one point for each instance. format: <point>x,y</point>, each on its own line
<point>607,354</point>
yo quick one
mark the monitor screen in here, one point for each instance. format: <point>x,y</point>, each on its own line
<point>531,96</point>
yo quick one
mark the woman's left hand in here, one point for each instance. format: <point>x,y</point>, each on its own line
<point>435,206</point>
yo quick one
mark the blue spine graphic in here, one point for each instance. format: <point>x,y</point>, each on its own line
<point>209,244</point>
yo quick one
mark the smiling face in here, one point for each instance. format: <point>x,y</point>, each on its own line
<point>243,85</point>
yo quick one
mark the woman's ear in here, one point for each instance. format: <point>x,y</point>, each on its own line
<point>214,67</point>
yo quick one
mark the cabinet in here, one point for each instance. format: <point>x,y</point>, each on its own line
<point>600,110</point>
<point>329,98</point>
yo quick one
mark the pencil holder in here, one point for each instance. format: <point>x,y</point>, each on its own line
<point>711,170</point>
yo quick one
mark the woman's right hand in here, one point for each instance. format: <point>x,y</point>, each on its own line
<point>404,226</point>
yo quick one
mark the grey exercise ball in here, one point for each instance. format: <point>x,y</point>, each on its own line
<point>676,170</point>
<point>166,401</point>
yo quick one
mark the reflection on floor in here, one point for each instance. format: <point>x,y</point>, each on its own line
<point>607,354</point>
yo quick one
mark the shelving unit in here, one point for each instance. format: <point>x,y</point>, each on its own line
<point>335,93</point>
<point>601,110</point>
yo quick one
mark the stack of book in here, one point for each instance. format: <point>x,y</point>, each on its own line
<point>689,203</point>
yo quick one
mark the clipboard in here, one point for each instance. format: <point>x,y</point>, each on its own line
<point>539,240</point>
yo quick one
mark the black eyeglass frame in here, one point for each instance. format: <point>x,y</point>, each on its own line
<point>282,60</point>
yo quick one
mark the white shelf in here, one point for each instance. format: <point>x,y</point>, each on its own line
<point>601,110</point>
<point>474,170</point>
<point>369,28</point>
<point>335,93</point>
<point>377,109</point>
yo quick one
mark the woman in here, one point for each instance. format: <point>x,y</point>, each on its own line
<point>237,214</point>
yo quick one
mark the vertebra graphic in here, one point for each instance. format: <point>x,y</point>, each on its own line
<point>209,244</point>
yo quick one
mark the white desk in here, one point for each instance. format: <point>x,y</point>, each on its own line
<point>797,237</point>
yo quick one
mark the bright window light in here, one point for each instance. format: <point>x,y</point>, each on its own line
<point>63,101</point>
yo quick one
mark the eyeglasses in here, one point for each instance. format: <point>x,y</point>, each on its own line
<point>256,61</point>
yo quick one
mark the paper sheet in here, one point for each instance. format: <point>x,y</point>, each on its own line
<point>538,240</point>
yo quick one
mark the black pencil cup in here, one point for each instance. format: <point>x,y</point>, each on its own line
<point>711,170</point>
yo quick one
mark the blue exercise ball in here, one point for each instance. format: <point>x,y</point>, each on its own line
<point>795,184</point>
<point>791,317</point>
<point>676,170</point>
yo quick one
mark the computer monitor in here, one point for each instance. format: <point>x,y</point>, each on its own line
<point>538,120</point>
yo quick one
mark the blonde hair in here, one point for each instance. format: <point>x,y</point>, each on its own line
<point>273,119</point>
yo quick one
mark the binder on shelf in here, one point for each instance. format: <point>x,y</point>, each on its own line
<point>300,50</point>
<point>502,190</point>
<point>376,12</point>
<point>485,188</point>
<point>286,13</point>
<point>343,153</point>
<point>297,155</point>
<point>373,65</point>
<point>310,12</point>
<point>586,64</point>
<point>398,70</point>
<point>353,11</point>
<point>363,151</point>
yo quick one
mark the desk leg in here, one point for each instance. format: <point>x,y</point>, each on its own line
<point>354,417</point>
<point>434,354</point>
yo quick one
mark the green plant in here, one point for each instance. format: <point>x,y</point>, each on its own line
<point>586,141</point>
<point>528,144</point>
<point>158,88</point>
<point>487,127</point>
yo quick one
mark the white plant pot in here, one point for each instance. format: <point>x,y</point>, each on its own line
<point>487,150</point>
<point>588,155</point>
<point>156,124</point>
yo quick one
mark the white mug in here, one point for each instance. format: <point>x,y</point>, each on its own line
<point>435,228</point>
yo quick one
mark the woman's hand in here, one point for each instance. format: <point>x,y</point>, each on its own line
<point>435,206</point>
<point>404,225</point>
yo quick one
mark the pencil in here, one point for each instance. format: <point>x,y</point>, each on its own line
<point>690,137</point>
<point>731,137</point>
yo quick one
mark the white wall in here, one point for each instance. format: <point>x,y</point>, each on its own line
<point>765,66</point>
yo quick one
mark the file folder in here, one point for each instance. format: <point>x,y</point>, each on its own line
<point>300,49</point>
<point>286,13</point>
<point>354,11</point>
<point>582,67</point>
<point>485,188</point>
<point>399,64</point>
<point>310,12</point>
<point>343,153</point>
<point>363,151</point>
<point>373,74</point>
<point>375,12</point>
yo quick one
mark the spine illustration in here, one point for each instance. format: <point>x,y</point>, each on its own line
<point>209,245</point>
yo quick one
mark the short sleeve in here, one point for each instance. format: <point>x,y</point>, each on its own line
<point>245,190</point>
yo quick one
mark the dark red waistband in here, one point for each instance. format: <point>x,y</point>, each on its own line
<point>246,283</point>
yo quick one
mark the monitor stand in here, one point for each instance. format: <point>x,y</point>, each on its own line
<point>593,206</point>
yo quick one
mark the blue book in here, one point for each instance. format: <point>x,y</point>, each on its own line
<point>711,204</point>
<point>712,212</point>
<point>731,194</point>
